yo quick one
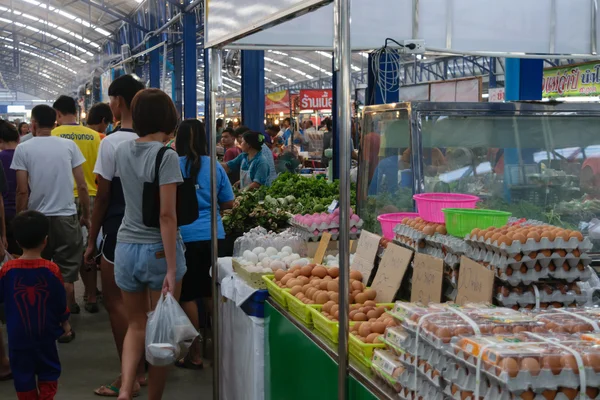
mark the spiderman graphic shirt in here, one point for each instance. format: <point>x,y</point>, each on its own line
<point>35,302</point>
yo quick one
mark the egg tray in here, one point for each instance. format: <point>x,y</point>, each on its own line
<point>449,244</point>
<point>524,380</point>
<point>528,276</point>
<point>325,226</point>
<point>415,245</point>
<point>434,357</point>
<point>555,257</point>
<point>560,322</point>
<point>309,236</point>
<point>530,245</point>
<point>363,352</point>
<point>496,392</point>
<point>387,378</point>
<point>253,279</point>
<point>529,298</point>
<point>275,291</point>
<point>424,370</point>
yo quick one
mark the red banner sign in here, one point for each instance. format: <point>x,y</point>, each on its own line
<point>316,99</point>
<point>277,102</point>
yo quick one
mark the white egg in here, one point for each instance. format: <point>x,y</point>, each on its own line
<point>266,270</point>
<point>253,258</point>
<point>287,260</point>
<point>275,257</point>
<point>258,250</point>
<point>245,255</point>
<point>299,263</point>
<point>261,256</point>
<point>266,262</point>
<point>271,251</point>
<point>284,254</point>
<point>253,268</point>
<point>295,256</point>
<point>287,249</point>
<point>276,264</point>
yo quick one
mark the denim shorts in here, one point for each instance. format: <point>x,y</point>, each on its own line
<point>140,266</point>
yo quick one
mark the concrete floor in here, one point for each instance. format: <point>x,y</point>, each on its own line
<point>91,361</point>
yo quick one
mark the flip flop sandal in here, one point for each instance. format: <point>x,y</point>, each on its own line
<point>74,308</point>
<point>188,364</point>
<point>67,337</point>
<point>7,377</point>
<point>114,391</point>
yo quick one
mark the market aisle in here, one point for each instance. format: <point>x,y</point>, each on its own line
<point>91,361</point>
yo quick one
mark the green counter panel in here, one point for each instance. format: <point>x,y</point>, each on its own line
<point>299,369</point>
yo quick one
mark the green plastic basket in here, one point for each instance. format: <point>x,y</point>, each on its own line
<point>461,221</point>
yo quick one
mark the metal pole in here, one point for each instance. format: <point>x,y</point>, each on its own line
<point>214,74</point>
<point>342,53</point>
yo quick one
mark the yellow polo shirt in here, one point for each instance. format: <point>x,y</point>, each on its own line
<point>88,141</point>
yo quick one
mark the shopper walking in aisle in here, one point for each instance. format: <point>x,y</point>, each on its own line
<point>148,260</point>
<point>99,118</point>
<point>88,141</point>
<point>34,322</point>
<point>109,209</point>
<point>46,165</point>
<point>253,168</point>
<point>23,128</point>
<point>9,139</point>
<point>195,164</point>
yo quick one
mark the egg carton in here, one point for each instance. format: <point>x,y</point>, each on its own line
<point>315,237</point>
<point>530,260</point>
<point>334,223</point>
<point>417,245</point>
<point>531,245</point>
<point>524,379</point>
<point>529,297</point>
<point>529,276</point>
<point>407,231</point>
<point>424,369</point>
<point>449,244</point>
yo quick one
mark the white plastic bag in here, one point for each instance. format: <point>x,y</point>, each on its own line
<point>169,332</point>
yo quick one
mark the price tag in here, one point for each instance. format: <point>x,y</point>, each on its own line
<point>332,206</point>
<point>323,244</point>
<point>387,366</point>
<point>427,279</point>
<point>475,283</point>
<point>390,273</point>
<point>368,243</point>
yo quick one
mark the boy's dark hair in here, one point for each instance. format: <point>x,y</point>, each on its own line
<point>66,105</point>
<point>288,120</point>
<point>8,132</point>
<point>30,228</point>
<point>100,112</point>
<point>254,139</point>
<point>230,131</point>
<point>219,122</point>
<point>127,87</point>
<point>240,131</point>
<point>152,110</point>
<point>44,115</point>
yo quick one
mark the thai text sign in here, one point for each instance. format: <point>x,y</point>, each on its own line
<point>573,80</point>
<point>316,99</point>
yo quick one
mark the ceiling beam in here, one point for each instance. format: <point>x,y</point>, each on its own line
<point>115,14</point>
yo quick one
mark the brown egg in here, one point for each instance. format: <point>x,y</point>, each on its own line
<point>365,329</point>
<point>577,235</point>
<point>333,286</point>
<point>319,271</point>
<point>568,361</point>
<point>279,274</point>
<point>333,272</point>
<point>360,298</point>
<point>580,267</point>
<point>286,278</point>
<point>327,307</point>
<point>323,284</point>
<point>445,334</point>
<point>475,231</point>
<point>569,392</point>
<point>510,365</point>
<point>371,337</point>
<point>300,296</point>
<point>306,270</point>
<point>576,253</point>
<point>360,317</point>
<point>463,331</point>
<point>371,294</point>
<point>488,235</point>
<point>564,235</point>
<point>357,285</point>
<point>549,394</point>
<point>370,303</point>
<point>519,237</point>
<point>378,327</point>
<point>523,269</point>
<point>429,230</point>
<point>356,275</point>
<point>566,267</point>
<point>503,239</point>
<point>334,296</point>
<point>592,360</point>
<point>322,298</point>
<point>293,282</point>
<point>561,253</point>
<point>454,389</point>
<point>465,394</point>
<point>592,392</point>
<point>528,395</point>
<point>546,253</point>
<point>495,237</point>
<point>295,290</point>
<point>548,235</point>
<point>441,229</point>
<point>530,364</point>
<point>334,308</point>
<point>509,271</point>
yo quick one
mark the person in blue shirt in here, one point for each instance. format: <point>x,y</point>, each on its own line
<point>194,162</point>
<point>287,132</point>
<point>254,168</point>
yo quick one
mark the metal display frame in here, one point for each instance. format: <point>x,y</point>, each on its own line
<point>342,67</point>
<point>419,109</point>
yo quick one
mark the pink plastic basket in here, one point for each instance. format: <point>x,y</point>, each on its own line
<point>430,205</point>
<point>389,221</point>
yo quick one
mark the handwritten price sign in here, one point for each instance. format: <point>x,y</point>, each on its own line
<point>366,250</point>
<point>390,273</point>
<point>475,283</point>
<point>428,274</point>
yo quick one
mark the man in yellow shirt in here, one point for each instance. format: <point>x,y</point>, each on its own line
<point>88,142</point>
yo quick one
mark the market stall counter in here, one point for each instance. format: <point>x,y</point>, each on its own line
<point>301,364</point>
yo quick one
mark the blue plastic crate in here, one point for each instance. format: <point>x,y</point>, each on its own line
<point>255,305</point>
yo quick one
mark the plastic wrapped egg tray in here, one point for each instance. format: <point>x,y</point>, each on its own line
<point>569,320</point>
<point>315,235</point>
<point>523,362</point>
<point>542,295</point>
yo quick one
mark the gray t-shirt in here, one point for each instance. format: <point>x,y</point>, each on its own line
<point>135,165</point>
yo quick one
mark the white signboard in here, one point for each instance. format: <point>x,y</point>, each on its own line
<point>465,25</point>
<point>496,95</point>
<point>226,20</point>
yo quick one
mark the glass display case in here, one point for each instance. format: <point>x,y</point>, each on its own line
<point>537,160</point>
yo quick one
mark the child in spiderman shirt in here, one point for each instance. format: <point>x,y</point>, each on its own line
<point>36,310</point>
